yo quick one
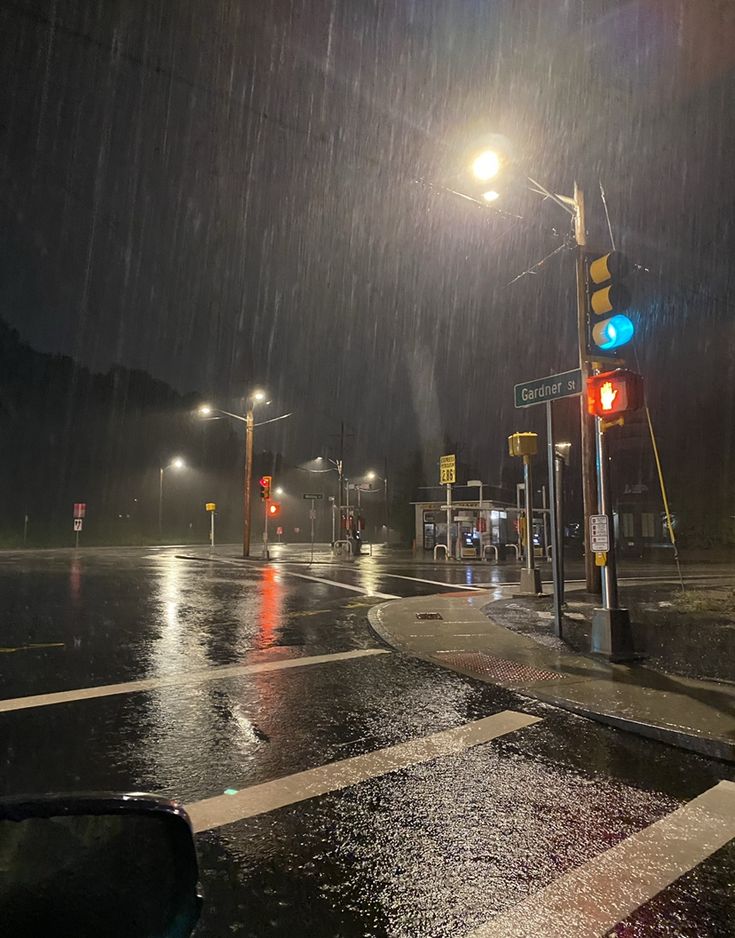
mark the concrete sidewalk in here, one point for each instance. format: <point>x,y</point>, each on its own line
<point>453,631</point>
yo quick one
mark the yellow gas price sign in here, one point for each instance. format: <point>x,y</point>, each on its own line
<point>447,470</point>
<point>211,506</point>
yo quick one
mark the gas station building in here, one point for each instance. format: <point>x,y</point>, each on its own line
<point>479,529</point>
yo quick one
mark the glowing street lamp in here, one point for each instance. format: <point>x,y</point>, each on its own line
<point>486,166</point>
<point>258,396</point>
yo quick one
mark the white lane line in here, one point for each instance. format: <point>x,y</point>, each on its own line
<point>258,799</point>
<point>185,677</point>
<point>344,586</point>
<point>418,579</point>
<point>591,900</point>
<point>306,576</point>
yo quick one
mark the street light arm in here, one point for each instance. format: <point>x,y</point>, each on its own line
<point>228,414</point>
<point>272,420</point>
<point>569,205</point>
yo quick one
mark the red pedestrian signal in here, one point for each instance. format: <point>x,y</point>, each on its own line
<point>274,509</point>
<point>265,487</point>
<point>613,393</point>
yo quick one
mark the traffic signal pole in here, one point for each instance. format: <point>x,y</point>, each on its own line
<point>611,629</point>
<point>587,427</point>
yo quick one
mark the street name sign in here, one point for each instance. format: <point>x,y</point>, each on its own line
<point>447,470</point>
<point>316,497</point>
<point>565,384</point>
<point>599,534</point>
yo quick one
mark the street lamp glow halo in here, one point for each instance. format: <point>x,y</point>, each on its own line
<point>178,463</point>
<point>205,410</point>
<point>491,195</point>
<point>486,165</point>
<point>259,395</point>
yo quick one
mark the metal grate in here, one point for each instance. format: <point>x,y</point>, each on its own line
<point>428,615</point>
<point>501,670</point>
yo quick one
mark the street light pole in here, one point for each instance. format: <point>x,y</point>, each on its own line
<point>247,478</point>
<point>177,463</point>
<point>160,505</point>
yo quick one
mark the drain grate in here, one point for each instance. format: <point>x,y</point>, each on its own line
<point>500,669</point>
<point>428,615</point>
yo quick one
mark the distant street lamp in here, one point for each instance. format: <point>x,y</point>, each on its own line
<point>256,397</point>
<point>177,463</point>
<point>371,476</point>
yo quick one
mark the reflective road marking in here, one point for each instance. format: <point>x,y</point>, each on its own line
<point>591,900</point>
<point>225,809</point>
<point>344,586</point>
<point>185,677</point>
<point>454,586</point>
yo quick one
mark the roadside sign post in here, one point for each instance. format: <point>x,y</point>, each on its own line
<point>526,446</point>
<point>313,498</point>
<point>80,513</point>
<point>448,476</point>
<point>544,391</point>
<point>211,507</point>
<point>557,566</point>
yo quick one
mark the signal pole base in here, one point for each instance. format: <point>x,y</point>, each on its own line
<point>612,635</point>
<point>530,583</point>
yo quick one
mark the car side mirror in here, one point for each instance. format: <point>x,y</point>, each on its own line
<point>119,866</point>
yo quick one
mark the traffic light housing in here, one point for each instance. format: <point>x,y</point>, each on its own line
<point>265,487</point>
<point>614,393</point>
<point>607,328</point>
<point>274,509</point>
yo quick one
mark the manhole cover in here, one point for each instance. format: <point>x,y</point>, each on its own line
<point>500,669</point>
<point>428,615</point>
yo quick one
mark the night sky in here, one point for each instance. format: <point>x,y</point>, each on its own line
<point>235,193</point>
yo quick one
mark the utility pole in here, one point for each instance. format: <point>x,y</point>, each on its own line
<point>248,479</point>
<point>587,424</point>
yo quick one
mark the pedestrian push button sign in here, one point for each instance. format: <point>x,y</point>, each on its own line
<point>599,534</point>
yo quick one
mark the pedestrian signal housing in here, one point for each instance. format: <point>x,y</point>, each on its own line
<point>614,393</point>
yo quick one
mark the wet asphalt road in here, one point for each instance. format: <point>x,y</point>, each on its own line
<point>434,849</point>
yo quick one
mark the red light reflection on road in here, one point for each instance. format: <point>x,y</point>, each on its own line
<point>271,605</point>
<point>75,580</point>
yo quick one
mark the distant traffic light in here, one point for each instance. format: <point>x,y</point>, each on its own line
<point>265,487</point>
<point>274,509</point>
<point>614,393</point>
<point>607,328</point>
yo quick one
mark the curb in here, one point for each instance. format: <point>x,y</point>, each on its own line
<point>712,746</point>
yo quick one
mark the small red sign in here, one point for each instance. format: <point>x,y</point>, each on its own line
<point>80,509</point>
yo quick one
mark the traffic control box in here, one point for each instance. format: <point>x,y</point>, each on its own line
<point>523,444</point>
